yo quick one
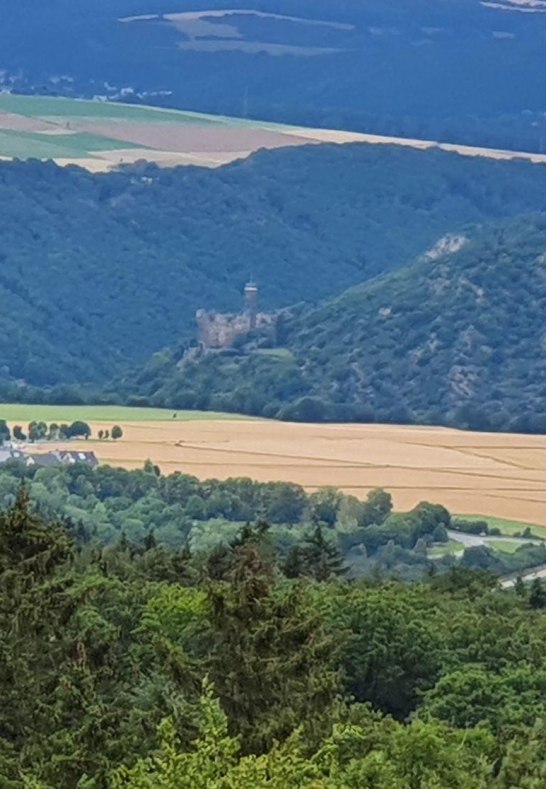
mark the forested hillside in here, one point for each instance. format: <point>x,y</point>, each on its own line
<point>135,665</point>
<point>456,338</point>
<point>458,70</point>
<point>99,271</point>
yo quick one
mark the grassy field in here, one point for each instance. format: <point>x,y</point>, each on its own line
<point>22,413</point>
<point>507,526</point>
<point>61,108</point>
<point>504,545</point>
<point>446,549</point>
<point>25,145</point>
<point>46,127</point>
<point>90,133</point>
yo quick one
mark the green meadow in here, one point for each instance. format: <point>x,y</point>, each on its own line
<point>23,413</point>
<point>506,526</point>
<point>48,107</point>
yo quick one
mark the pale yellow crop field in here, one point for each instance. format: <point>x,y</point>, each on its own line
<point>500,475</point>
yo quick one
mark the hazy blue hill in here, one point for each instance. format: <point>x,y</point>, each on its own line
<point>456,70</point>
<point>457,338</point>
<point>99,271</point>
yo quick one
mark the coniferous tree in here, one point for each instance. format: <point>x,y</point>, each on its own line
<point>519,587</point>
<point>272,663</point>
<point>318,557</point>
<point>537,594</point>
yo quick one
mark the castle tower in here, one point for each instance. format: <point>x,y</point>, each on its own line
<point>251,303</point>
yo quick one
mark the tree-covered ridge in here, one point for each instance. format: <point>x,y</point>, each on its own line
<point>133,665</point>
<point>455,338</point>
<point>454,70</point>
<point>90,262</point>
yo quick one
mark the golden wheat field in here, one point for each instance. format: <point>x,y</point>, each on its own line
<point>499,475</point>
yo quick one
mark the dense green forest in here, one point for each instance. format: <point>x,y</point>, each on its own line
<point>135,664</point>
<point>310,532</point>
<point>455,338</point>
<point>452,70</point>
<point>91,262</point>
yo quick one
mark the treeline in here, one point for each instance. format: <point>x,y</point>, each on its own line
<point>154,245</point>
<point>455,339</point>
<point>133,665</point>
<point>313,534</point>
<point>41,431</point>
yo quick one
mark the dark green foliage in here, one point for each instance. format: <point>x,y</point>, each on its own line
<point>316,557</point>
<point>537,594</point>
<point>5,432</point>
<point>450,339</point>
<point>19,434</point>
<point>105,648</point>
<point>376,508</point>
<point>272,664</point>
<point>171,241</point>
<point>37,431</point>
<point>391,656</point>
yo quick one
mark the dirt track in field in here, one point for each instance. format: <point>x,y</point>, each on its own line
<point>491,474</point>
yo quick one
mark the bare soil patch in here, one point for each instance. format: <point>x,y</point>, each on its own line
<point>500,475</point>
<point>191,138</point>
<point>11,122</point>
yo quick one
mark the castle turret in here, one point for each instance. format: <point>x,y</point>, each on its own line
<point>251,303</point>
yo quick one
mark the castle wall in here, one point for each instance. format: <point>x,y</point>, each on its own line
<point>218,330</point>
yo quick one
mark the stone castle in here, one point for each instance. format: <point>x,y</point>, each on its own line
<point>220,330</point>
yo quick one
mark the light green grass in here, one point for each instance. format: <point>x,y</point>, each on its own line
<point>31,145</point>
<point>23,413</point>
<point>506,526</point>
<point>58,108</point>
<point>446,549</point>
<point>504,545</point>
<point>26,145</point>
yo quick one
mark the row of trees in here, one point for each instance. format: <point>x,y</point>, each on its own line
<point>41,431</point>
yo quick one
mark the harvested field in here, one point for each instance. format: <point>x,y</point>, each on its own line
<point>100,135</point>
<point>498,475</point>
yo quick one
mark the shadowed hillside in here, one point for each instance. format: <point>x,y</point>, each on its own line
<point>456,338</point>
<point>99,271</point>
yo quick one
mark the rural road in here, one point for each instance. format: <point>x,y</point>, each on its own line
<point>539,572</point>
<point>471,540</point>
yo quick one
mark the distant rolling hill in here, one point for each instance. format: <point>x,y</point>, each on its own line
<point>459,71</point>
<point>458,337</point>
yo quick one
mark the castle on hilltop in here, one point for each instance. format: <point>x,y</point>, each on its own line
<point>218,330</point>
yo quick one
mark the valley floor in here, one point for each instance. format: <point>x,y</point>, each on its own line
<point>494,474</point>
